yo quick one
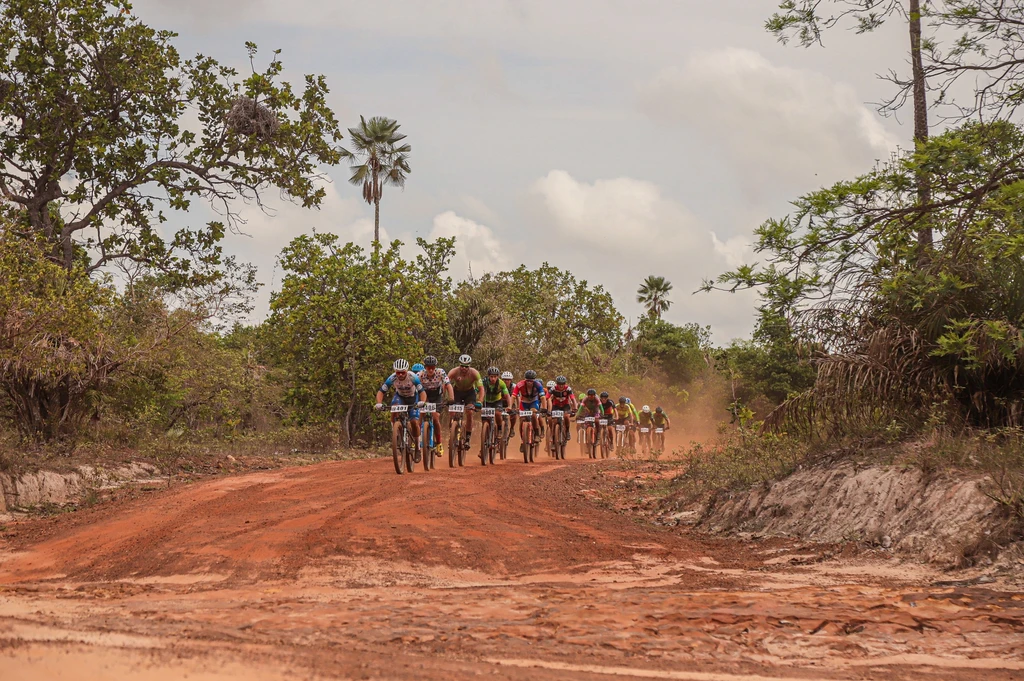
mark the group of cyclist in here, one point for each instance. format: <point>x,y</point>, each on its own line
<point>427,383</point>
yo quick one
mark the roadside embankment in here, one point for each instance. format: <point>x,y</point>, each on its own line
<point>939,517</point>
<point>28,490</point>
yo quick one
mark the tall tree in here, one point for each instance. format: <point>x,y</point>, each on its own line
<point>653,294</point>
<point>384,160</point>
<point>342,317</point>
<point>98,142</point>
<point>808,19</point>
<point>96,139</point>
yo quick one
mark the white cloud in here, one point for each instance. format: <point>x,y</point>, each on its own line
<point>477,249</point>
<point>774,123</point>
<point>617,232</point>
<point>616,214</point>
<point>735,251</point>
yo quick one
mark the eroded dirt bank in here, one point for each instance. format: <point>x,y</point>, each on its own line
<point>937,517</point>
<point>348,571</point>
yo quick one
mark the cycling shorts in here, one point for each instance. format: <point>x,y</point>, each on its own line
<point>411,401</point>
<point>531,405</point>
<point>467,397</point>
<point>434,396</point>
<point>495,405</point>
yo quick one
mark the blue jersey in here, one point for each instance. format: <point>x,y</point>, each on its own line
<point>410,386</point>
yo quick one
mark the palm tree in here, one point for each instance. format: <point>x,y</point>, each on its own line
<point>653,293</point>
<point>383,160</point>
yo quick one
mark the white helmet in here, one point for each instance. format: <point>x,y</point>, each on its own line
<point>646,409</point>
<point>506,376</point>
<point>551,385</point>
<point>401,365</point>
<point>465,360</point>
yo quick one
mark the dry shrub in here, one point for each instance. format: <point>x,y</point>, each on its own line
<point>252,119</point>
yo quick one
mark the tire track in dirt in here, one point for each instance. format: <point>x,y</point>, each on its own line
<point>508,563</point>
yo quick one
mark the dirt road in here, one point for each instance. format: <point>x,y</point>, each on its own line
<point>346,570</point>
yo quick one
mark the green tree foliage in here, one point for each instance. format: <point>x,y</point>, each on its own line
<point>383,160</point>
<point>769,369</point>
<point>56,347</point>
<point>96,144</point>
<point>197,382</point>
<point>679,352</point>
<point>544,319</point>
<point>900,339</point>
<point>342,317</point>
<point>93,130</point>
<point>653,295</point>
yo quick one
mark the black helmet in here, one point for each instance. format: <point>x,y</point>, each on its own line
<point>493,371</point>
<point>659,410</point>
<point>530,375</point>
<point>591,392</point>
<point>430,361</point>
<point>604,395</point>
<point>561,380</point>
<point>622,400</point>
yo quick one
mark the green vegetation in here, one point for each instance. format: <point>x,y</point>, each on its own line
<point>892,304</point>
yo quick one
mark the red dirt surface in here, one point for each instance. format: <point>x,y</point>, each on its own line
<point>346,570</point>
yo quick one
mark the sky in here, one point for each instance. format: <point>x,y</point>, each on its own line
<point>614,138</point>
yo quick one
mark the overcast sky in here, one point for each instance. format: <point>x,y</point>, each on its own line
<point>615,138</point>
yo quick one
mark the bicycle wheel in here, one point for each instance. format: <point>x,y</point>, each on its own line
<point>427,437</point>
<point>492,445</point>
<point>396,448</point>
<point>485,441</point>
<point>407,448</point>
<point>527,440</point>
<point>456,437</point>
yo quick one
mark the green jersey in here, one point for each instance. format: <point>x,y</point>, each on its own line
<point>494,392</point>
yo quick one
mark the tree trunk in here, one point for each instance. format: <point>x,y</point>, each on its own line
<point>351,404</point>
<point>45,413</point>
<point>924,192</point>
<point>376,223</point>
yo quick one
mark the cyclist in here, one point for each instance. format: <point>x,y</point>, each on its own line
<point>624,415</point>
<point>561,398</point>
<point>608,412</point>
<point>589,406</point>
<point>646,418</point>
<point>529,394</point>
<point>661,419</point>
<point>438,388</point>
<point>509,380</point>
<point>495,395</point>
<point>407,390</point>
<point>545,408</point>
<point>467,389</point>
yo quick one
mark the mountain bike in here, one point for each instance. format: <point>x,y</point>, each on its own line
<point>604,437</point>
<point>530,444</point>
<point>645,440</point>
<point>491,419</point>
<point>504,434</point>
<point>401,439</point>
<point>659,438</point>
<point>431,436</point>
<point>622,443</point>
<point>559,433</point>
<point>457,446</point>
<point>608,435</point>
<point>590,436</point>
